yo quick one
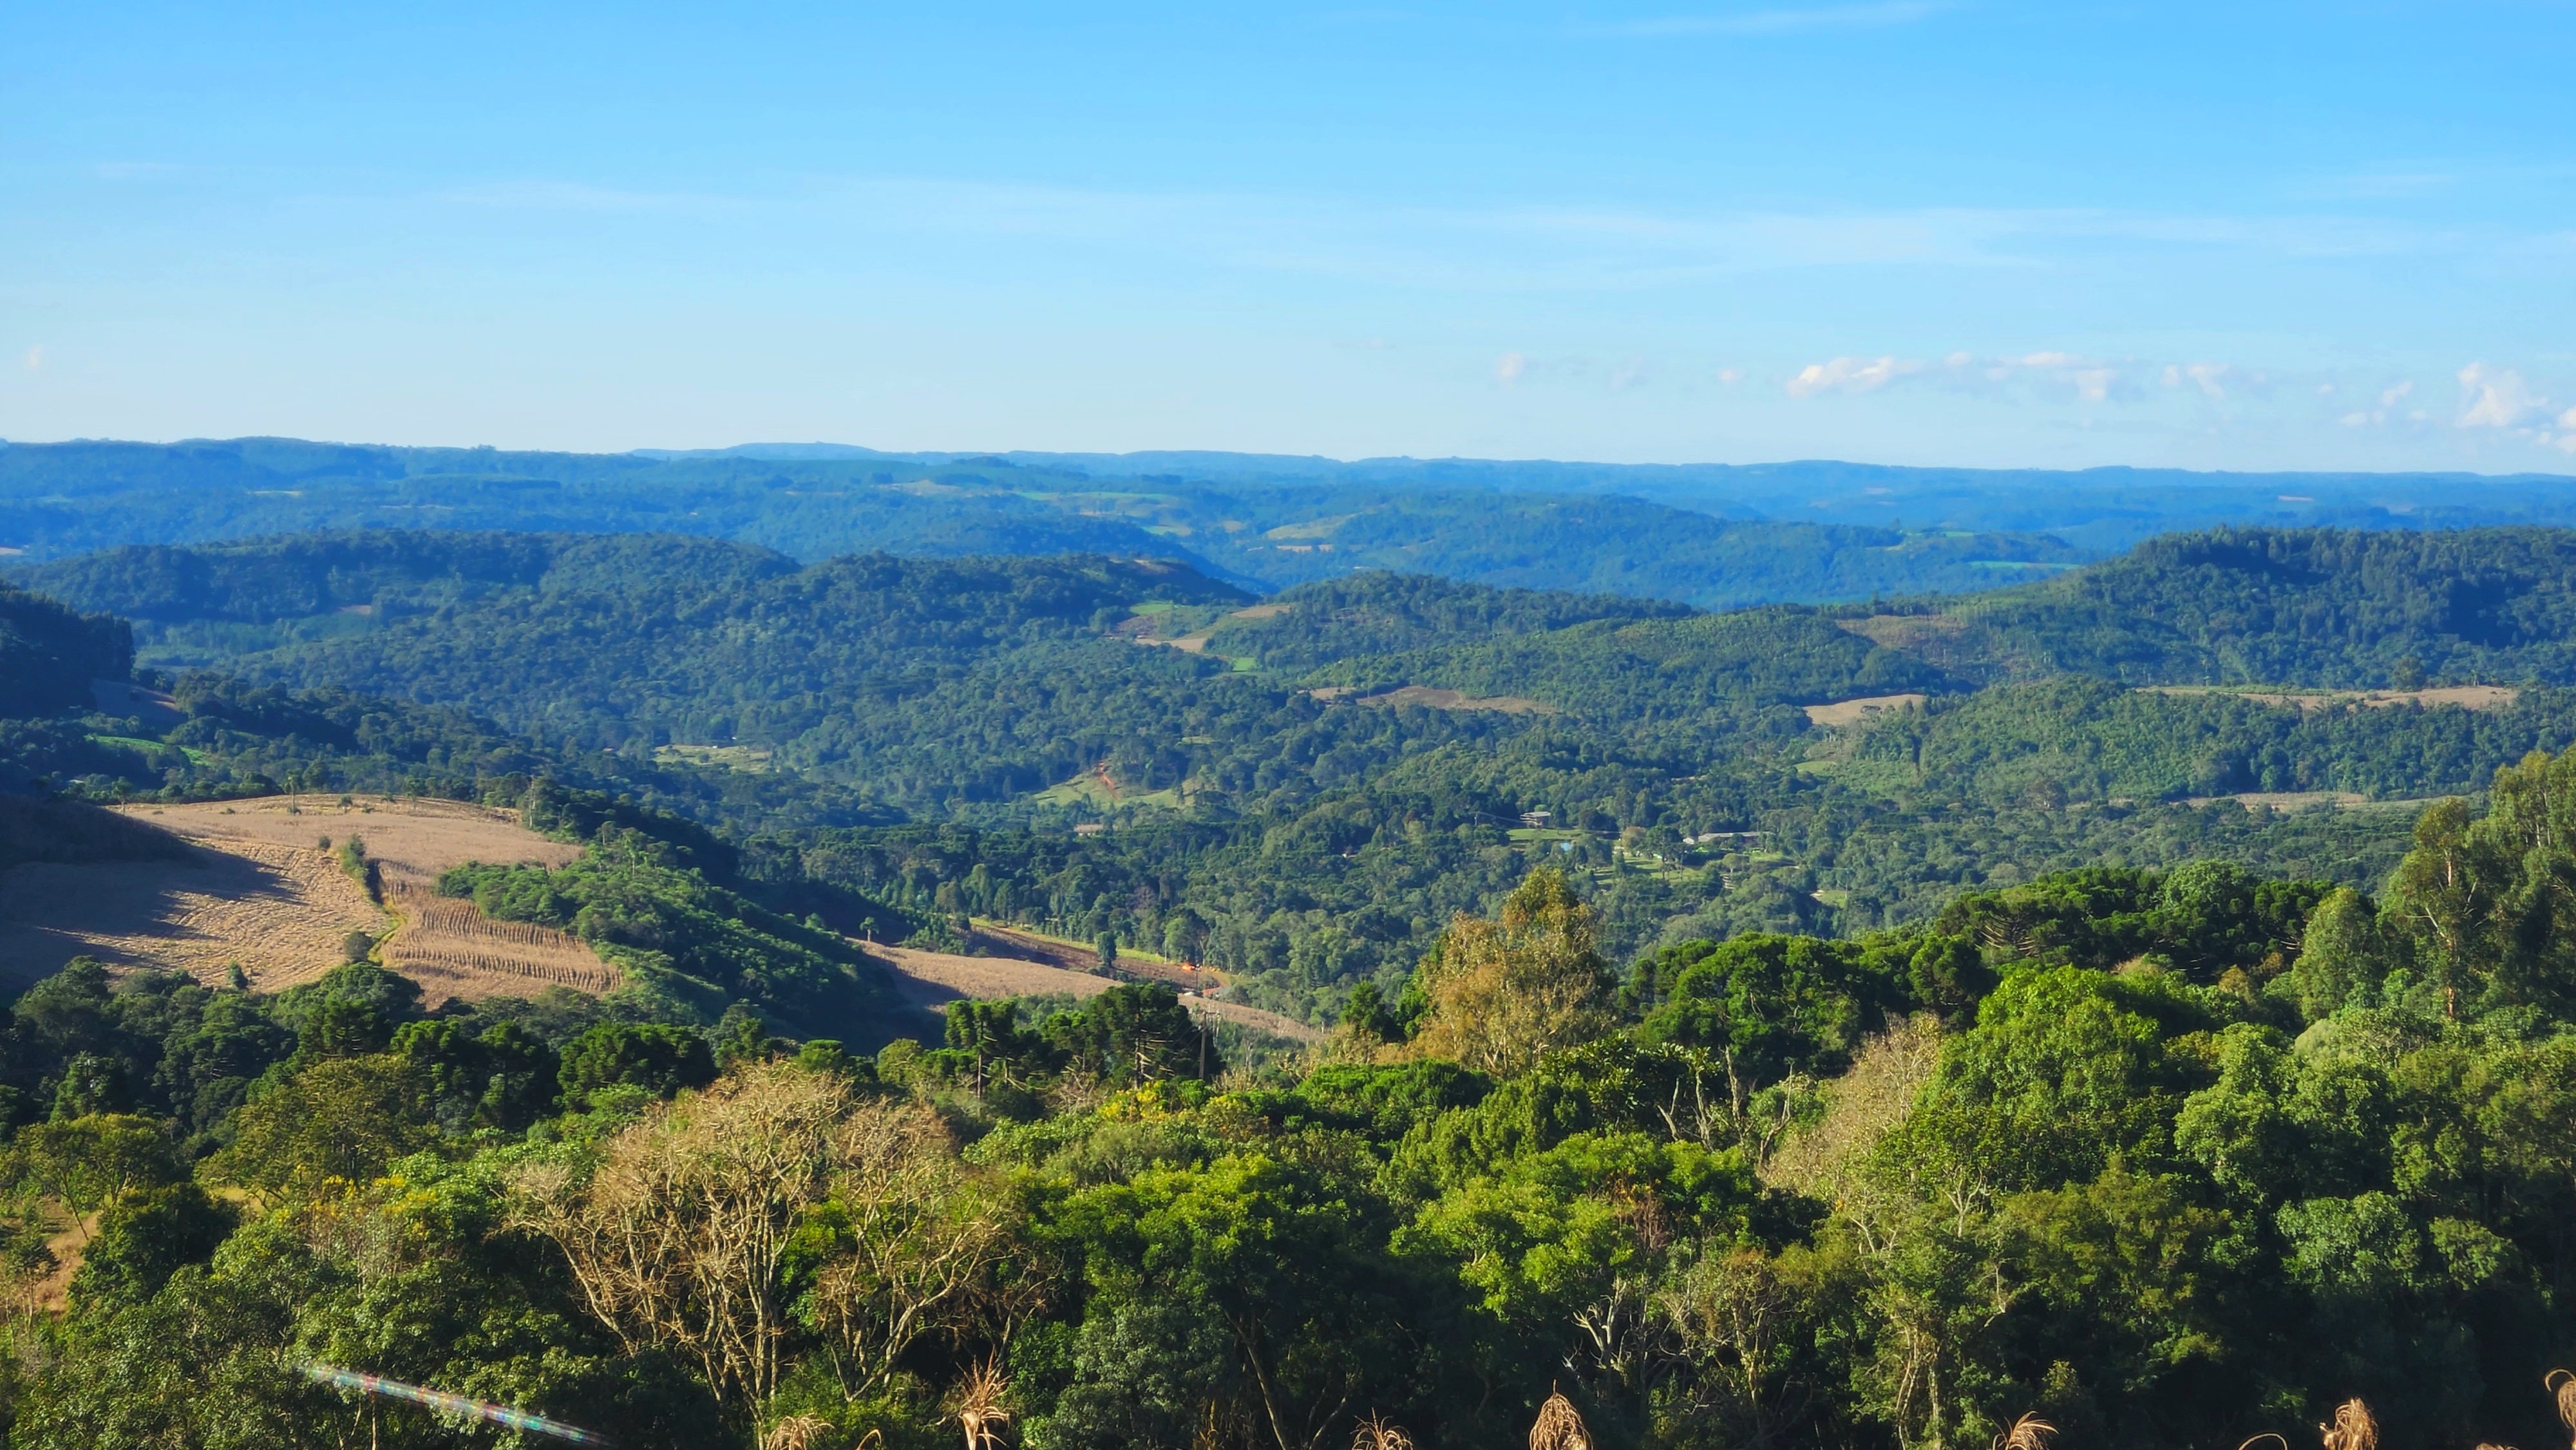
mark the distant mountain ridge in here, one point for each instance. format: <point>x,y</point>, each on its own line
<point>1715,536</point>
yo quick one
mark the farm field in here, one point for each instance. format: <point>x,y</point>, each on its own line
<point>934,979</point>
<point>261,890</point>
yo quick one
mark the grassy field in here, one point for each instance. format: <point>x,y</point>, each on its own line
<point>749,759</point>
<point>1095,789</point>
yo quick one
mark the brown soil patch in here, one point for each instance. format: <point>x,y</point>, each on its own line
<point>1852,712</point>
<point>1261,611</point>
<point>2467,697</point>
<point>935,979</point>
<point>257,888</point>
<point>1432,699</point>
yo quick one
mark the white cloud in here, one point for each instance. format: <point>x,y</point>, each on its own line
<point>2391,397</point>
<point>1629,374</point>
<point>2567,419</point>
<point>35,357</point>
<point>1729,377</point>
<point>2205,374</point>
<point>2495,397</point>
<point>1509,367</point>
<point>1850,375</point>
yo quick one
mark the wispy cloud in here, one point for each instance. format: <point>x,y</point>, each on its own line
<point>2054,375</point>
<point>2493,397</point>
<point>1852,375</point>
<point>1781,21</point>
<point>1509,367</point>
<point>2209,377</point>
<point>35,357</point>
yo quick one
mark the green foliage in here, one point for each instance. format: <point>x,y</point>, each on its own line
<point>687,946</point>
<point>49,653</point>
<point>1136,1032</point>
<point>2328,608</point>
<point>341,1120</point>
<point>656,1057</point>
<point>143,1238</point>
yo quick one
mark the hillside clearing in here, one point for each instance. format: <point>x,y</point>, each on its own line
<point>935,979</point>
<point>260,890</point>
<point>2467,697</point>
<point>1852,712</point>
<point>1431,698</point>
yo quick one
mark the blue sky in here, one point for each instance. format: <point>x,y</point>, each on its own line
<point>2227,236</point>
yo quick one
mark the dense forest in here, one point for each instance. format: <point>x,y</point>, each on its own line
<point>1818,530</point>
<point>1291,794</point>
<point>1711,537</point>
<point>2138,998</point>
<point>2158,1157</point>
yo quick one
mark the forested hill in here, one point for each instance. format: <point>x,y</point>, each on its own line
<point>1307,786</point>
<point>301,576</point>
<point>49,654</point>
<point>62,499</point>
<point>2322,607</point>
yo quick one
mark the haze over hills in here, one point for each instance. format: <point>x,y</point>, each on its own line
<point>1712,535</point>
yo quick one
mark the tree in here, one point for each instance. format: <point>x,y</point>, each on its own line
<point>911,1242</point>
<point>1503,993</point>
<point>656,1056</point>
<point>1134,1032</point>
<point>683,1235</point>
<point>87,1163</point>
<point>143,1238</point>
<point>342,1119</point>
<point>2343,956</point>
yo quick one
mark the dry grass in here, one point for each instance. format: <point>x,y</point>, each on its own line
<point>2030,1432</point>
<point>2562,1388</point>
<point>1852,712</point>
<point>796,1432</point>
<point>1377,1433</point>
<point>935,979</point>
<point>259,889</point>
<point>280,912</point>
<point>428,835</point>
<point>454,950</point>
<point>983,1406</point>
<point>1559,1426</point>
<point>2352,1428</point>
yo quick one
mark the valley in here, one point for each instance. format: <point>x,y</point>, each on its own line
<point>1517,947</point>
